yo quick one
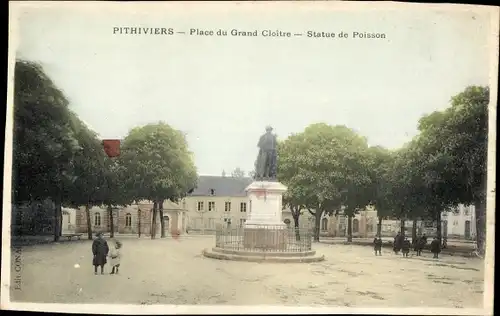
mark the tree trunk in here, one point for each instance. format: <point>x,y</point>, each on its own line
<point>57,219</point>
<point>480,212</point>
<point>349,228</point>
<point>89,224</point>
<point>296,225</point>
<point>402,231</point>
<point>379,227</point>
<point>139,212</point>
<point>111,224</point>
<point>60,221</point>
<point>162,222</point>
<point>414,230</point>
<point>153,221</point>
<point>438,227</point>
<point>317,223</point>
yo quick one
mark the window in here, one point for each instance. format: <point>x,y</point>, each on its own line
<point>324,224</point>
<point>200,206</point>
<point>369,227</point>
<point>242,222</point>
<point>212,192</point>
<point>455,223</point>
<point>128,220</point>
<point>227,207</point>
<point>97,219</point>
<point>243,207</point>
<point>355,225</point>
<point>211,206</point>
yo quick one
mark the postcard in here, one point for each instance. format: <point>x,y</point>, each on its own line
<point>250,157</point>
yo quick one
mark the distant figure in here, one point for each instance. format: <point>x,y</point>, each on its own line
<point>115,257</point>
<point>435,247</point>
<point>445,242</point>
<point>424,238</point>
<point>397,243</point>
<point>406,247</point>
<point>419,245</point>
<point>100,251</point>
<point>377,245</point>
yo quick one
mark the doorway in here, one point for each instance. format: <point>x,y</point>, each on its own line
<point>166,222</point>
<point>467,229</point>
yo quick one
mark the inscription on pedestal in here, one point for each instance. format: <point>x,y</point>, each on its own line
<point>264,238</point>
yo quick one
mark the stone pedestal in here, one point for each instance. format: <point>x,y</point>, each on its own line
<point>264,228</point>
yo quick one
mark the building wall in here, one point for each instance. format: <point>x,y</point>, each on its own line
<point>461,222</point>
<point>208,219</point>
<point>133,219</point>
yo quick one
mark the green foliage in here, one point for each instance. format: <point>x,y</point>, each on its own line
<point>158,163</point>
<point>238,173</point>
<point>325,167</point>
<point>44,142</point>
<point>381,163</point>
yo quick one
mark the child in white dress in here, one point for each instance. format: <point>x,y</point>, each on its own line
<point>115,256</point>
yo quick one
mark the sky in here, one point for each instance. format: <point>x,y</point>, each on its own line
<point>223,91</point>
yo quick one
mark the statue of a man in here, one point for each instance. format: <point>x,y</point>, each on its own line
<point>265,166</point>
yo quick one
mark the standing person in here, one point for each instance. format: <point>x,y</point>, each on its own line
<point>100,251</point>
<point>406,247</point>
<point>435,247</point>
<point>419,245</point>
<point>397,243</point>
<point>445,242</point>
<point>115,257</point>
<point>377,245</point>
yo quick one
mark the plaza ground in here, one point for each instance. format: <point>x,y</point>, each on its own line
<point>168,271</point>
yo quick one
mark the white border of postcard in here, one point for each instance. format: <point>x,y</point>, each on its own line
<point>16,6</point>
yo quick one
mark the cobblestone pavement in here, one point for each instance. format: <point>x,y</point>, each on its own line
<point>167,271</point>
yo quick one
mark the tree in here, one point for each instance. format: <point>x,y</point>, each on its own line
<point>319,166</point>
<point>159,166</point>
<point>238,173</point>
<point>43,142</point>
<point>454,144</point>
<point>88,170</point>
<point>380,167</point>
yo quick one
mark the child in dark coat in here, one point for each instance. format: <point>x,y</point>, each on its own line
<point>377,246</point>
<point>406,247</point>
<point>435,247</point>
<point>100,251</point>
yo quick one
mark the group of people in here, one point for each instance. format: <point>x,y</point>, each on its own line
<point>401,243</point>
<point>101,251</point>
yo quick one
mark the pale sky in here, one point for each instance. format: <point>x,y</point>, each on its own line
<point>223,91</point>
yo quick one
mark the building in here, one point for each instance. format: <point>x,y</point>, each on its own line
<point>460,222</point>
<point>457,223</point>
<point>215,200</point>
<point>132,219</point>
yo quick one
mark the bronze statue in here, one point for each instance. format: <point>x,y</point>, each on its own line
<point>265,166</point>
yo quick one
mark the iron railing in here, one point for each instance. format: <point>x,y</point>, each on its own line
<point>269,239</point>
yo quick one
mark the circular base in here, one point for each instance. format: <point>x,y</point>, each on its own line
<point>261,256</point>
